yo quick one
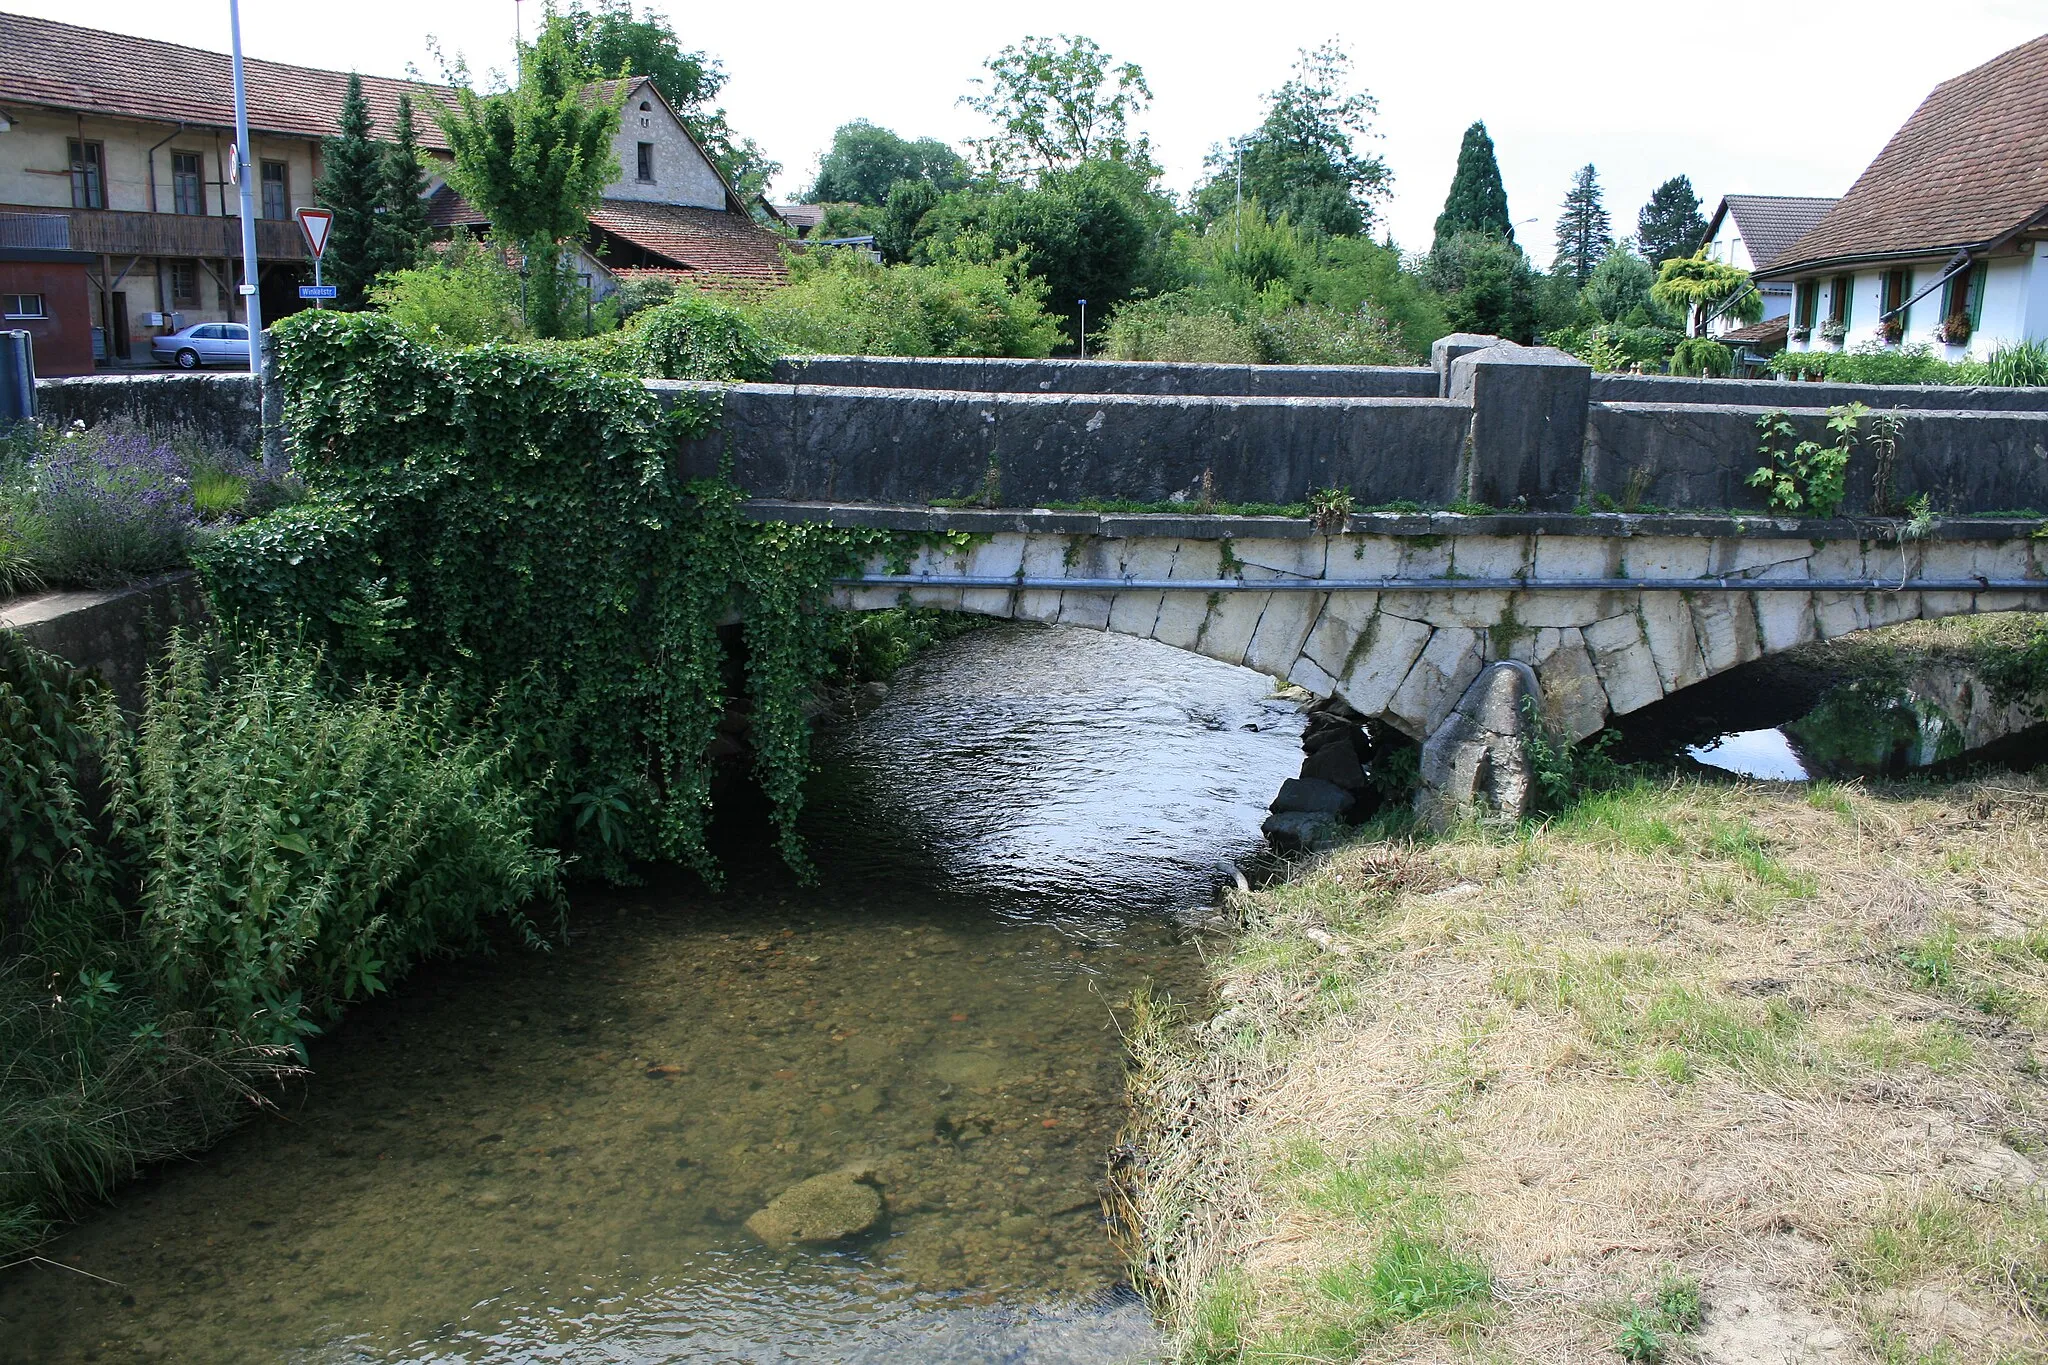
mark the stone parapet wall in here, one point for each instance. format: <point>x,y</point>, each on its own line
<point>115,632</point>
<point>219,409</point>
<point>1111,377</point>
<point>1780,393</point>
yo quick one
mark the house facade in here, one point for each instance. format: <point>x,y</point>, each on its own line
<point>1749,231</point>
<point>117,151</point>
<point>1939,242</point>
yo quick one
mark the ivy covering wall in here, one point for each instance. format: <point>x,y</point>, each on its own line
<point>509,524</point>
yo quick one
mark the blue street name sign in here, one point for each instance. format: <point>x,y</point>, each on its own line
<point>317,291</point>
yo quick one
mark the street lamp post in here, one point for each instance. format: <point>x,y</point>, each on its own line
<point>252,301</point>
<point>1084,329</point>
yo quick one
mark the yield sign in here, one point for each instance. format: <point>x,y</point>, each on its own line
<point>314,223</point>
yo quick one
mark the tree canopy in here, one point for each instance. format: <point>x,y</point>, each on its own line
<point>1694,283</point>
<point>1302,159</point>
<point>867,160</point>
<point>1057,103</point>
<point>1584,231</point>
<point>1478,201</point>
<point>1671,225</point>
<point>1487,283</point>
<point>535,159</point>
<point>611,40</point>
<point>354,189</point>
<point>402,227</point>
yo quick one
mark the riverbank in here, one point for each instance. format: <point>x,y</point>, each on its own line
<point>1694,1071</point>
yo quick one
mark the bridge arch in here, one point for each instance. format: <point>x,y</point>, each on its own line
<point>1398,614</point>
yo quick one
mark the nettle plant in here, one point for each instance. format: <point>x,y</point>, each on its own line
<point>513,526</point>
<point>1807,477</point>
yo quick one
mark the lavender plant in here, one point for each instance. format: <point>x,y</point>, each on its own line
<point>110,507</point>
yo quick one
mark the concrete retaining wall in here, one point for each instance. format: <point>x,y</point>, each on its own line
<point>219,408</point>
<point>117,632</point>
<point>1111,377</point>
<point>916,446</point>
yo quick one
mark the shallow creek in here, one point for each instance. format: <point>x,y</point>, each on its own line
<point>551,1156</point>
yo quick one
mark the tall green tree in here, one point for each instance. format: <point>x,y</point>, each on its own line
<point>402,231</point>
<point>354,189</point>
<point>1487,283</point>
<point>535,160</point>
<point>1478,201</point>
<point>613,40</point>
<point>1303,160</point>
<point>866,161</point>
<point>1584,231</point>
<point>1058,103</point>
<point>1670,225</point>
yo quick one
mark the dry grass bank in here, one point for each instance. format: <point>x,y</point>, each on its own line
<point>1716,1073</point>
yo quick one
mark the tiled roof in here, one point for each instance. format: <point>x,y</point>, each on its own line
<point>1771,222</point>
<point>1970,166</point>
<point>1771,332</point>
<point>64,66</point>
<point>697,242</point>
<point>800,215</point>
<point>701,241</point>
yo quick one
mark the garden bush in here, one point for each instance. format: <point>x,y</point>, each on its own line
<point>691,337</point>
<point>1180,328</point>
<point>188,897</point>
<point>107,506</point>
<point>465,295</point>
<point>838,302</point>
<point>2019,365</point>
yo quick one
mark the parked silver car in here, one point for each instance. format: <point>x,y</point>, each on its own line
<point>203,343</point>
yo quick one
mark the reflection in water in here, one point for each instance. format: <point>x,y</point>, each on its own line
<point>551,1157</point>
<point>1764,754</point>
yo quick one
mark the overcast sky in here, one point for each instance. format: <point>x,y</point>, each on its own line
<point>1789,97</point>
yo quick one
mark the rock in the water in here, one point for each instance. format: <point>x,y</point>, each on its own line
<point>1337,765</point>
<point>825,1208</point>
<point>1304,831</point>
<point>1315,796</point>
<point>1477,762</point>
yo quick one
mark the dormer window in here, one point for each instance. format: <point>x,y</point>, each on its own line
<point>646,163</point>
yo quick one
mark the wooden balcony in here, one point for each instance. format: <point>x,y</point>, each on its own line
<point>112,233</point>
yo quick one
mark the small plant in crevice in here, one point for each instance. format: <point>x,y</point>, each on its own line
<point>1329,509</point>
<point>1885,428</point>
<point>1563,770</point>
<point>1806,477</point>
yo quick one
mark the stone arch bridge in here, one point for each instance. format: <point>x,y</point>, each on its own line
<point>1397,614</point>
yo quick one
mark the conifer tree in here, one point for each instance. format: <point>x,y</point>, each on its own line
<point>1670,226</point>
<point>354,189</point>
<point>1583,229</point>
<point>402,227</point>
<point>1478,202</point>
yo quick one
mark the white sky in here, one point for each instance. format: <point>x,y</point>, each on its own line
<point>1790,97</point>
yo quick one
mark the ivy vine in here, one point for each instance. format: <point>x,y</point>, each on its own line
<point>513,525</point>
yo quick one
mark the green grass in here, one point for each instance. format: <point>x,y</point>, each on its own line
<point>1393,1177</point>
<point>217,493</point>
<point>1937,1046</point>
<point>1409,1277</point>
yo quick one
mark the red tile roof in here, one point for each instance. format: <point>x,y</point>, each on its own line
<point>700,241</point>
<point>63,66</point>
<point>1969,167</point>
<point>695,243</point>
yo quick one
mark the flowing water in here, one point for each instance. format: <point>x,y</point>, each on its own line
<point>552,1156</point>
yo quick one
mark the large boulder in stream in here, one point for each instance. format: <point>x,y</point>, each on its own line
<point>825,1208</point>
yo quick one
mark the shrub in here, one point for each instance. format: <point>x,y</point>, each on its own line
<point>2022,364</point>
<point>178,899</point>
<point>466,295</point>
<point>691,337</point>
<point>1181,328</point>
<point>1702,358</point>
<point>839,302</point>
<point>1313,335</point>
<point>109,507</point>
<point>301,849</point>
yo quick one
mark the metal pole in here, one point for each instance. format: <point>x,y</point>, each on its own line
<point>1084,329</point>
<point>251,300</point>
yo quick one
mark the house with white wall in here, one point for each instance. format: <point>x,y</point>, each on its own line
<point>1939,242</point>
<point>1749,232</point>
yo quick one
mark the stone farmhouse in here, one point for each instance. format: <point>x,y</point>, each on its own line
<point>119,220</point>
<point>1939,242</point>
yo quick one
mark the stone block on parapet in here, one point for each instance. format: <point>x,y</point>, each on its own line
<point>1529,408</point>
<point>1444,350</point>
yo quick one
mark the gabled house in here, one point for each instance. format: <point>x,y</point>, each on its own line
<point>670,212</point>
<point>1749,231</point>
<point>1939,241</point>
<point>114,152</point>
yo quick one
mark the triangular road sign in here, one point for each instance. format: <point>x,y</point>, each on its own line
<point>314,223</point>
